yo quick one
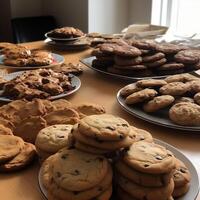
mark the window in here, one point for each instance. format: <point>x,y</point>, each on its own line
<point>182,16</point>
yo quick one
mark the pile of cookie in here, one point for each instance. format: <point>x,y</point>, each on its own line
<point>178,93</point>
<point>40,83</point>
<point>142,58</point>
<point>143,169</point>
<point>15,154</point>
<point>65,33</point>
<point>21,56</point>
<point>25,119</point>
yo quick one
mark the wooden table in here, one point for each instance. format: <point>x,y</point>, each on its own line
<point>102,90</point>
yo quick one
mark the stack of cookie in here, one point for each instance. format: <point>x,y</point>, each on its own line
<point>75,175</point>
<point>182,178</point>
<point>15,154</point>
<point>145,58</point>
<point>51,139</point>
<point>145,172</point>
<point>101,134</point>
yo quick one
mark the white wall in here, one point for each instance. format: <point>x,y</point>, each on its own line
<point>107,16</point>
<point>26,8</point>
<point>139,11</point>
<point>68,12</point>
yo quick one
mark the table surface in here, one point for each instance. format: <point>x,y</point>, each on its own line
<point>95,88</point>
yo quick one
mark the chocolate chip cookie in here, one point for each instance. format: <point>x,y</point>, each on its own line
<point>129,89</point>
<point>150,83</point>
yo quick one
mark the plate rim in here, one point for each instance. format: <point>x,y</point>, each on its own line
<point>51,98</point>
<point>178,153</point>
<point>172,126</point>
<point>36,67</point>
<point>128,78</point>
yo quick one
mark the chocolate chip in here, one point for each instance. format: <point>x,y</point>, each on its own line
<point>76,192</point>
<point>125,125</point>
<point>76,172</point>
<point>64,156</point>
<point>183,170</point>
<point>142,137</point>
<point>110,128</point>
<point>146,165</point>
<point>159,157</point>
<point>61,136</point>
<point>121,136</point>
<point>58,174</point>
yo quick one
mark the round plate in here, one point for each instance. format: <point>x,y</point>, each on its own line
<point>62,39</point>
<point>57,60</point>
<point>158,118</point>
<point>194,188</point>
<point>88,63</point>
<point>76,83</point>
<point>78,44</point>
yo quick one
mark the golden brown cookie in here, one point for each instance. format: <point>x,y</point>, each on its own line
<point>185,113</point>
<point>174,89</point>
<point>143,179</point>
<point>104,127</point>
<point>150,83</point>
<point>184,99</point>
<point>129,89</point>
<point>21,160</point>
<point>180,191</point>
<point>5,131</point>
<point>29,128</point>
<point>180,78</point>
<point>86,109</point>
<point>61,104</point>
<point>10,146</point>
<point>148,193</point>
<point>158,103</point>
<point>197,98</point>
<point>141,96</point>
<point>71,167</point>
<point>149,158</point>
<point>194,86</point>
<point>65,116</point>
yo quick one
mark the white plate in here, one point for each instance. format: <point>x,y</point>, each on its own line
<point>159,118</point>
<point>76,83</point>
<point>194,188</point>
<point>63,39</point>
<point>57,60</point>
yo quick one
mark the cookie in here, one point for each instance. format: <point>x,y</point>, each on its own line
<point>21,160</point>
<point>86,109</point>
<point>105,145</point>
<point>10,146</point>
<point>90,193</point>
<point>181,175</point>
<point>186,114</point>
<point>126,61</point>
<point>53,138</point>
<point>7,123</point>
<point>149,158</point>
<point>104,127</point>
<point>180,191</point>
<point>46,172</point>
<point>197,98</point>
<point>129,89</point>
<point>144,44</point>
<point>143,179</point>
<point>194,86</point>
<point>127,51</point>
<point>171,66</point>
<point>168,48</point>
<point>5,131</point>
<point>158,103</point>
<point>141,96</point>
<point>108,48</point>
<point>98,53</point>
<point>71,167</point>
<point>180,78</point>
<point>150,83</point>
<point>188,56</point>
<point>148,193</point>
<point>156,63</point>
<point>89,149</point>
<point>29,128</point>
<point>43,155</point>
<point>61,104</point>
<point>153,58</point>
<point>174,89</point>
<point>184,99</point>
<point>65,116</point>
<point>140,135</point>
